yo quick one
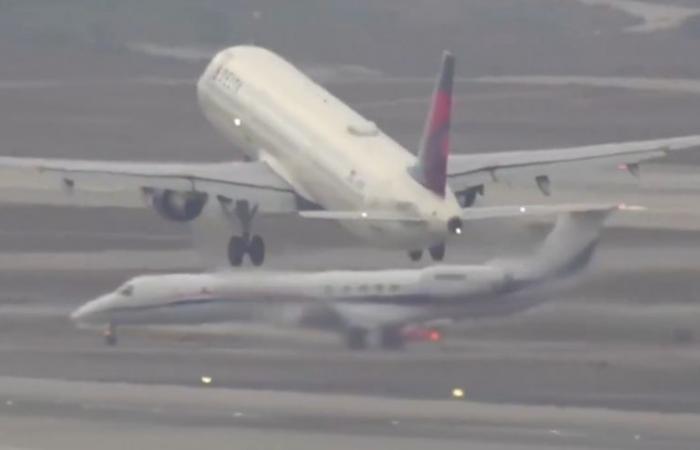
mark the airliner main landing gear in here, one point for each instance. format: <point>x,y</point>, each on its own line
<point>246,244</point>
<point>437,253</point>
<point>253,246</point>
<point>415,255</point>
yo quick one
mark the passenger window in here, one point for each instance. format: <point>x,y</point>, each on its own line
<point>450,277</point>
<point>394,288</point>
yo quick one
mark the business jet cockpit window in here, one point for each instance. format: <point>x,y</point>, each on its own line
<point>127,290</point>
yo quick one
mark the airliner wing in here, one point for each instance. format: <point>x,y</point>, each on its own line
<point>253,181</point>
<point>470,170</point>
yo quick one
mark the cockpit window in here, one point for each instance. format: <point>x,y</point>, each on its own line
<point>127,290</point>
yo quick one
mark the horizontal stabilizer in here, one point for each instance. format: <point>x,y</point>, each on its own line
<point>480,213</point>
<point>496,212</point>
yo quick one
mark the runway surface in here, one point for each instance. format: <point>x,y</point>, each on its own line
<point>184,417</point>
<point>610,363</point>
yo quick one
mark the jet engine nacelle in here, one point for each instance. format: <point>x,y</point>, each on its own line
<point>176,206</point>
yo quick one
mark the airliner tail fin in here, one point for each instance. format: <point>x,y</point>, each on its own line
<point>431,168</point>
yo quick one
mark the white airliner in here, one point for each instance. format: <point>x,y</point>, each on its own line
<point>371,306</point>
<point>313,156</point>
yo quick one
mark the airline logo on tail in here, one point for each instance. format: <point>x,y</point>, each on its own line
<point>431,169</point>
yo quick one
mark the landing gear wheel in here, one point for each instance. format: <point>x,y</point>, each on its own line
<point>391,339</point>
<point>437,252</point>
<point>356,338</point>
<point>256,250</point>
<point>415,255</point>
<point>237,247</point>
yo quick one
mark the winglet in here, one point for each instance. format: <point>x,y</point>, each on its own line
<point>431,168</point>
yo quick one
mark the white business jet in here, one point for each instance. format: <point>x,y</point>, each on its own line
<point>313,156</point>
<point>371,306</point>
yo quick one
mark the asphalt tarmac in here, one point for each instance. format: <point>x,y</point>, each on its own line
<point>601,366</point>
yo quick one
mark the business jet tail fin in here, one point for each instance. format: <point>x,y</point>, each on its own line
<point>569,246</point>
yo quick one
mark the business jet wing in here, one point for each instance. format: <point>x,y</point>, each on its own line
<point>467,171</point>
<point>253,181</point>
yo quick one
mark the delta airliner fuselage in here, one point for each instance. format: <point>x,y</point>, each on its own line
<point>329,153</point>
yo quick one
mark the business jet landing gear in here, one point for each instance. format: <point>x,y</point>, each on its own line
<point>246,244</point>
<point>390,338</point>
<point>386,338</point>
<point>110,335</point>
<point>356,338</point>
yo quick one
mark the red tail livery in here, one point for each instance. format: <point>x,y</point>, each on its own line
<point>431,170</point>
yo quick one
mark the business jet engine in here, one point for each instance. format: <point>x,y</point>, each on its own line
<point>176,206</point>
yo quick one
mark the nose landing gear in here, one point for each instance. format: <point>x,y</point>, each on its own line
<point>110,335</point>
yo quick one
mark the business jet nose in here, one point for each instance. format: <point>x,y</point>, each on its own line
<point>89,313</point>
<point>81,314</point>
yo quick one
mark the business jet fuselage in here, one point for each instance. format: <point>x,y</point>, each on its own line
<point>366,303</point>
<point>330,154</point>
<point>352,302</point>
